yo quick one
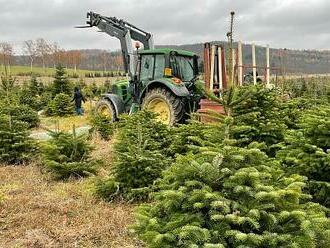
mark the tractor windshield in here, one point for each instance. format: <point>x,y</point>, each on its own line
<point>183,67</point>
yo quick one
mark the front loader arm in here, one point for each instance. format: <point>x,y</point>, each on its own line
<point>125,32</point>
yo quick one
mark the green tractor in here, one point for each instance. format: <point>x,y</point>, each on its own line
<point>164,81</point>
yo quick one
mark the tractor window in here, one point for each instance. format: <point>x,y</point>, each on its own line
<point>183,67</point>
<point>159,66</point>
<point>147,67</point>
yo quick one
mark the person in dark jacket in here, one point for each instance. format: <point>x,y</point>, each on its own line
<point>77,99</point>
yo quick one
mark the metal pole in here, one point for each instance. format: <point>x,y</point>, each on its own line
<point>254,64</point>
<point>267,69</point>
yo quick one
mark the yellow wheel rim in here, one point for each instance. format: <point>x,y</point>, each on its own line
<point>161,108</point>
<point>104,111</point>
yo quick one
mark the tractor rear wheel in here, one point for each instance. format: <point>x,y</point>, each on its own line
<point>169,108</point>
<point>106,109</point>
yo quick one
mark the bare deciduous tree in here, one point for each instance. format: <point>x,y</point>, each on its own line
<point>73,58</point>
<point>104,56</point>
<point>30,49</point>
<point>43,50</point>
<point>76,59</point>
<point>6,54</point>
<point>54,50</point>
<point>118,61</point>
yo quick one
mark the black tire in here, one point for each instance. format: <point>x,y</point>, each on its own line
<point>176,104</point>
<point>105,104</point>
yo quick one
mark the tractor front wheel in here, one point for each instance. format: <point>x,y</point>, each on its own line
<point>169,108</point>
<point>105,109</point>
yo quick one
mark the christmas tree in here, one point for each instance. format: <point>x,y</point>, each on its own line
<point>68,155</point>
<point>15,145</point>
<point>227,196</point>
<point>255,115</point>
<point>306,151</point>
<point>61,105</point>
<point>103,125</point>
<point>61,83</point>
<point>21,112</point>
<point>141,153</point>
<point>31,94</point>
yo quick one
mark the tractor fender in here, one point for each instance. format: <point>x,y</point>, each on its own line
<point>177,89</point>
<point>116,101</point>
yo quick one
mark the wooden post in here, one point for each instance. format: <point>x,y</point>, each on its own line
<point>224,71</point>
<point>233,60</point>
<point>220,67</point>
<point>207,65</point>
<point>212,67</point>
<point>254,64</point>
<point>267,64</point>
<point>240,63</point>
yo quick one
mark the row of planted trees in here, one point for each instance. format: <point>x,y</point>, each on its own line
<point>55,99</point>
<point>258,176</point>
<point>22,105</point>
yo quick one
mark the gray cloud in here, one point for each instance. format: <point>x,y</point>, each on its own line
<point>300,24</point>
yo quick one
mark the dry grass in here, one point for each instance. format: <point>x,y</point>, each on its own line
<point>66,123</point>
<point>40,212</point>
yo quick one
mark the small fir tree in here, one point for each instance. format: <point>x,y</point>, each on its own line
<point>61,105</point>
<point>185,137</point>
<point>256,116</point>
<point>31,94</point>
<point>61,83</point>
<point>306,151</point>
<point>8,90</point>
<point>103,125</point>
<point>141,153</point>
<point>68,155</point>
<point>258,119</point>
<point>16,147</point>
<point>22,113</point>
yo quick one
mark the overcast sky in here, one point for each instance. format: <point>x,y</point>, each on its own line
<point>300,24</point>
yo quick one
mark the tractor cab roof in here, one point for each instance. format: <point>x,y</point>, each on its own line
<point>167,51</point>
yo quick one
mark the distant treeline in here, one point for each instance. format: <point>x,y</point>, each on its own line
<point>47,54</point>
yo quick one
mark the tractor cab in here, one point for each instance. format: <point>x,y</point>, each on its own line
<point>177,65</point>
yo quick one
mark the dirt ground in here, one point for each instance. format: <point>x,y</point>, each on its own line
<point>40,212</point>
